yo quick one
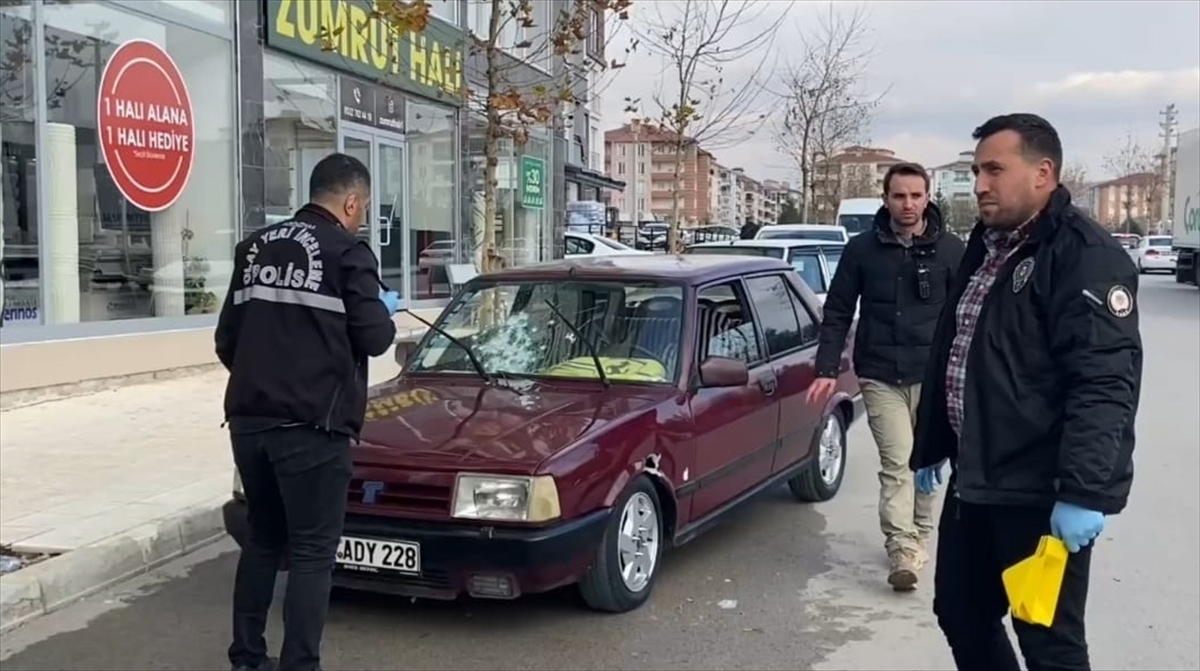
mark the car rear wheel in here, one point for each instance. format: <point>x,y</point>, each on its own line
<point>626,565</point>
<point>822,477</point>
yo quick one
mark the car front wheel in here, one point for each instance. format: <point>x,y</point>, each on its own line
<point>822,477</point>
<point>626,565</point>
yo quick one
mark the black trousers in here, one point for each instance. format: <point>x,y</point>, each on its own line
<point>975,544</point>
<point>295,479</point>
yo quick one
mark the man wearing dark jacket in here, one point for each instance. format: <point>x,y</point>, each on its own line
<point>1031,394</point>
<point>304,311</point>
<point>900,271</point>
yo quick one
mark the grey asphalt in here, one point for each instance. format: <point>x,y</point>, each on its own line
<point>779,586</point>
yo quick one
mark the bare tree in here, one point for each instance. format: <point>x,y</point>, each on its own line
<point>510,105</point>
<point>824,106</point>
<point>696,104</point>
<point>1074,177</point>
<point>1137,166</point>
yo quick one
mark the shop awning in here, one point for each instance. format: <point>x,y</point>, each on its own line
<point>595,179</point>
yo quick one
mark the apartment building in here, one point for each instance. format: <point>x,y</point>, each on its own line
<point>855,172</point>
<point>728,201</point>
<point>642,155</point>
<point>779,194</point>
<point>1137,197</point>
<point>584,158</point>
<point>954,184</point>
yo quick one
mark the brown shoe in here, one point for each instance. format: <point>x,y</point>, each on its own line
<point>903,574</point>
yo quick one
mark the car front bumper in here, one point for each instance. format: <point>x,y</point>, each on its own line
<point>474,559</point>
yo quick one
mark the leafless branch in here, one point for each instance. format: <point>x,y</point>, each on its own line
<point>1074,177</point>
<point>1139,164</point>
<point>700,104</point>
<point>824,105</point>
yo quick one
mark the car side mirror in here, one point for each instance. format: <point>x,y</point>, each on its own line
<point>719,371</point>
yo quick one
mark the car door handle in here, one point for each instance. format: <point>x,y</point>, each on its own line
<point>767,384</point>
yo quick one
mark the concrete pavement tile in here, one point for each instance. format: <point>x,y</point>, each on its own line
<point>82,505</point>
<point>91,529</point>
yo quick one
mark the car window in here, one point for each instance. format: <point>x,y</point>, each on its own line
<point>576,245</point>
<point>793,234</point>
<point>833,256</point>
<point>808,266</point>
<point>1159,241</point>
<point>776,313</point>
<point>725,326</point>
<point>771,252</point>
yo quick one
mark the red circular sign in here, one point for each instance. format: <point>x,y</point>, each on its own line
<point>144,119</point>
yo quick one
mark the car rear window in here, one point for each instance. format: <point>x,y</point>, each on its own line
<point>770,252</point>
<point>801,235</point>
<point>1160,241</point>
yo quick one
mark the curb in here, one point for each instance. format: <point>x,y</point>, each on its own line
<point>60,581</point>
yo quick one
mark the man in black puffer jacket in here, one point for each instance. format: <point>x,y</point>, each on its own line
<point>900,271</point>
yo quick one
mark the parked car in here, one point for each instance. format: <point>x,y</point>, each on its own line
<point>857,215</point>
<point>803,232</point>
<point>1154,254</point>
<point>566,422</point>
<point>437,254</point>
<point>652,236</point>
<point>587,244</point>
<point>1128,240</point>
<point>814,260</point>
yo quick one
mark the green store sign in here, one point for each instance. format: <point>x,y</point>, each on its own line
<point>533,183</point>
<point>1191,214</point>
<point>343,35</point>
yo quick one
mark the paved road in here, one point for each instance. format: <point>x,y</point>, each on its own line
<point>807,582</point>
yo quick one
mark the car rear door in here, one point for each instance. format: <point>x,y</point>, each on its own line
<point>790,333</point>
<point>736,427</point>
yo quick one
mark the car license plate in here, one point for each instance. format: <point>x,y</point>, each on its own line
<point>372,555</point>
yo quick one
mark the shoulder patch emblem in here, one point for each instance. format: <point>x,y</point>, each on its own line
<point>1021,275</point>
<point>1120,301</point>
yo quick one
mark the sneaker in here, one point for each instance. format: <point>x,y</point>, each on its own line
<point>904,567</point>
<point>268,664</point>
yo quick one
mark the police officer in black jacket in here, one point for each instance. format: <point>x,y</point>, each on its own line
<point>1031,394</point>
<point>900,271</point>
<point>304,311</point>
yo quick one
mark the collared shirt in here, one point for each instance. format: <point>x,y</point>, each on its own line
<point>1000,246</point>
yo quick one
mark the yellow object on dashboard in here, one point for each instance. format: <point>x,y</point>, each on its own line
<point>632,370</point>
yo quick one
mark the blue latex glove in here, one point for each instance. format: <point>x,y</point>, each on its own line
<point>927,479</point>
<point>1076,527</point>
<point>391,300</point>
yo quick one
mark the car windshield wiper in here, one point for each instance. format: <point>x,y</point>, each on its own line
<point>455,341</point>
<point>579,334</point>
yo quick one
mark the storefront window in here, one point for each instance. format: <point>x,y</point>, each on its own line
<point>432,202</point>
<point>534,226</point>
<point>107,257</point>
<point>20,284</point>
<point>300,109</point>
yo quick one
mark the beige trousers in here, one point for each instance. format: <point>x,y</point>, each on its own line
<point>905,517</point>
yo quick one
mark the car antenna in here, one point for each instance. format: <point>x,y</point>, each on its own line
<point>586,343</point>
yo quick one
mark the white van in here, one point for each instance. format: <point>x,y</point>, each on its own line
<point>858,214</point>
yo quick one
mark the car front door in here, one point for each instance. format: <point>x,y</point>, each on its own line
<point>736,427</point>
<point>791,341</point>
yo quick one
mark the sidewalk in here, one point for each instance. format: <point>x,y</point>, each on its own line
<point>116,483</point>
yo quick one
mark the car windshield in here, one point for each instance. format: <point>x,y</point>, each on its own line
<point>1160,241</point>
<point>634,327</point>
<point>739,250</point>
<point>800,234</point>
<point>856,223</point>
<point>612,244</point>
<point>808,265</point>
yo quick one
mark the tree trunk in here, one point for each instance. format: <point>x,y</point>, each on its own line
<point>491,144</point>
<point>673,232</point>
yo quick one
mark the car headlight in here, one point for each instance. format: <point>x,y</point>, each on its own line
<point>238,490</point>
<point>504,497</point>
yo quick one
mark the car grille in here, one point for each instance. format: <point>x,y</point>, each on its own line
<point>401,497</point>
<point>430,578</point>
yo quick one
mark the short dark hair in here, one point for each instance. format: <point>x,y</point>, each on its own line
<point>336,174</point>
<point>1039,140</point>
<point>913,169</point>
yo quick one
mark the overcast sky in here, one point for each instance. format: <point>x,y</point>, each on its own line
<point>1096,70</point>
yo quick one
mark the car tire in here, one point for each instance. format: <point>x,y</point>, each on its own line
<point>604,587</point>
<point>822,476</point>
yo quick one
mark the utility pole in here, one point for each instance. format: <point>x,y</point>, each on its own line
<point>1169,122</point>
<point>636,127</point>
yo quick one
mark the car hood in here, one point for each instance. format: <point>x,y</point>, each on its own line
<point>465,425</point>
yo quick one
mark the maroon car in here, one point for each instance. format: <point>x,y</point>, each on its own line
<point>567,422</point>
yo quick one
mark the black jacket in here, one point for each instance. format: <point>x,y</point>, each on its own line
<point>1053,373</point>
<point>896,323</point>
<point>301,317</point>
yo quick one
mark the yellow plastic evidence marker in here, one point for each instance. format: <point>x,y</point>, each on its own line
<point>1033,583</point>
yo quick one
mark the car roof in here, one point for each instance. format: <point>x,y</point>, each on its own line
<point>785,243</point>
<point>688,268</point>
<point>804,227</point>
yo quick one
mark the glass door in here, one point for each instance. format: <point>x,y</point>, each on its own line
<point>359,146</point>
<point>388,191</point>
